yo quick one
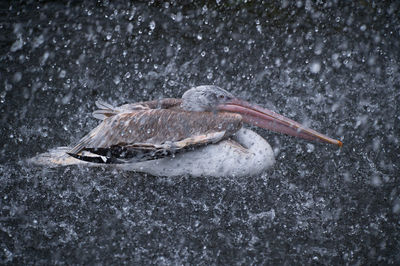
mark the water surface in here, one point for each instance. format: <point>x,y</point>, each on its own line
<point>333,67</point>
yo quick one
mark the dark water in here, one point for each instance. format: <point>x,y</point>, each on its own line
<point>334,67</point>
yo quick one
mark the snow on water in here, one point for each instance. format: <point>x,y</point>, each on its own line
<point>336,69</point>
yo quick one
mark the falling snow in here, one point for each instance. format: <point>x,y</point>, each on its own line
<point>334,68</point>
<point>315,67</point>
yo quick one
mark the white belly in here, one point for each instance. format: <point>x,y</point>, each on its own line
<point>222,159</point>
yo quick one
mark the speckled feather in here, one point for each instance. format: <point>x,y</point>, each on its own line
<point>157,123</point>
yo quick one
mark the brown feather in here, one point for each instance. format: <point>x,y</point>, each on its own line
<point>167,103</point>
<point>157,126</point>
<point>107,110</point>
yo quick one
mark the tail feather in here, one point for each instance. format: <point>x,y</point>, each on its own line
<point>105,110</point>
<point>103,105</point>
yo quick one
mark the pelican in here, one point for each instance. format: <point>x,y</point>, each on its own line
<point>200,134</point>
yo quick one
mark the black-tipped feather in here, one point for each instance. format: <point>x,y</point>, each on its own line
<point>132,154</point>
<point>95,159</point>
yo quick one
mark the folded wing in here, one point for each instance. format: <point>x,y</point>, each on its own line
<point>151,130</point>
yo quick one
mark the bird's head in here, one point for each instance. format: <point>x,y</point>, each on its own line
<point>209,98</point>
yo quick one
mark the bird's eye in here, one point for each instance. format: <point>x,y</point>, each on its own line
<point>221,96</point>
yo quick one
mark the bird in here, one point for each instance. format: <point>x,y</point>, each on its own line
<point>200,134</point>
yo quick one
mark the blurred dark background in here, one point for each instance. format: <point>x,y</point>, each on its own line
<point>331,65</point>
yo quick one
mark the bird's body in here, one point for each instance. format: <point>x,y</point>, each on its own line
<point>200,134</point>
<point>225,158</point>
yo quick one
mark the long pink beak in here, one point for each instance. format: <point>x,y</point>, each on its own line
<point>267,119</point>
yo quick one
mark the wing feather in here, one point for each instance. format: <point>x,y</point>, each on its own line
<point>155,129</point>
<point>107,110</point>
<point>140,152</point>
